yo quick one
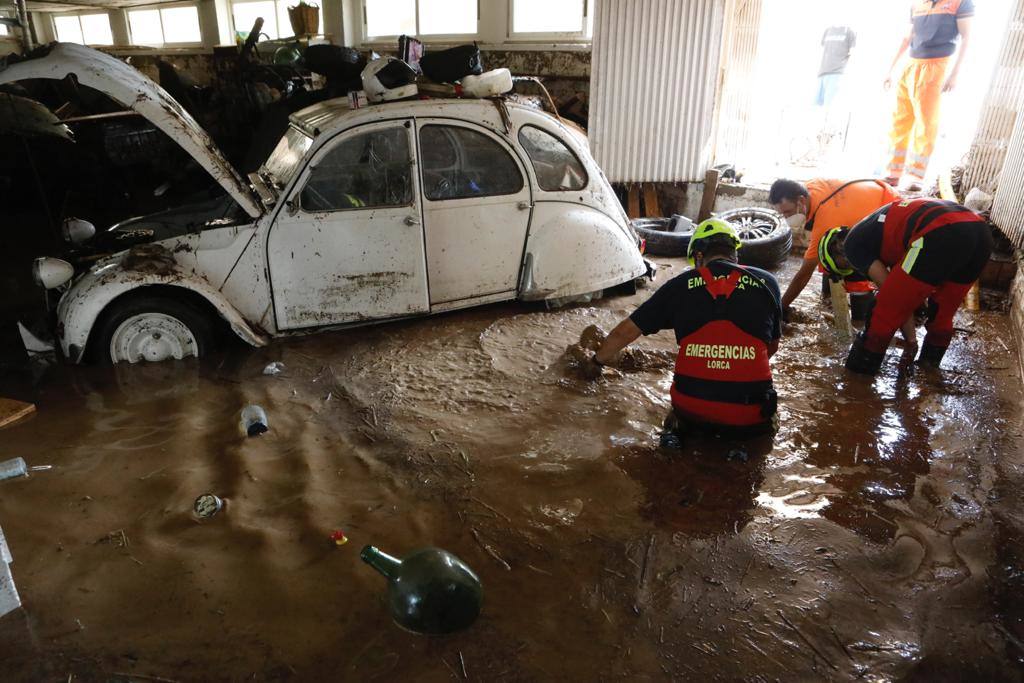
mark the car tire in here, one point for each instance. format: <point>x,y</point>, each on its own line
<point>662,237</point>
<point>766,236</point>
<point>151,328</point>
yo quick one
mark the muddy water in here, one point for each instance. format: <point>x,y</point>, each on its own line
<point>861,542</point>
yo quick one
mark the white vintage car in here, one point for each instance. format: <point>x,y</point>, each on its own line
<point>388,211</point>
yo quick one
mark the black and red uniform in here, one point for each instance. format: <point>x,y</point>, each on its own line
<point>935,250</point>
<point>725,318</point>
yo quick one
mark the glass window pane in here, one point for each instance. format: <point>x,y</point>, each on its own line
<point>547,16</point>
<point>366,171</point>
<point>284,24</point>
<point>68,29</point>
<point>390,17</point>
<point>448,17</point>
<point>245,14</point>
<point>556,166</point>
<point>144,25</point>
<point>181,25</point>
<point>96,29</point>
<point>459,163</point>
<point>284,161</point>
<point>4,30</point>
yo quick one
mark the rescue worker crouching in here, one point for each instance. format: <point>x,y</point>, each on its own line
<point>818,206</point>
<point>728,321</point>
<point>918,251</point>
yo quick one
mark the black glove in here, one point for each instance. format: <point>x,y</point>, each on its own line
<point>863,361</point>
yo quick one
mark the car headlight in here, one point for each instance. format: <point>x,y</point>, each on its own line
<point>76,231</point>
<point>51,272</point>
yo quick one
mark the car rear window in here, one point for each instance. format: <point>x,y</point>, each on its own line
<point>558,169</point>
<point>459,163</point>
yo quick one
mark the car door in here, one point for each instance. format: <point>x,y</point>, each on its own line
<point>348,243</point>
<point>476,212</point>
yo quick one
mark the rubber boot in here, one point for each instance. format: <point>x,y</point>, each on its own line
<point>861,360</point>
<point>931,355</point>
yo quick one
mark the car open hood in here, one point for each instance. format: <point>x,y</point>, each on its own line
<point>130,88</point>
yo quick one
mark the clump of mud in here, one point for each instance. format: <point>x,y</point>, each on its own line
<point>630,359</point>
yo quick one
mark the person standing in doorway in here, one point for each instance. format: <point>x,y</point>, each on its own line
<point>936,25</point>
<point>837,42</point>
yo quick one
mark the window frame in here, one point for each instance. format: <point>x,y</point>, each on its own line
<point>456,38</point>
<point>8,34</point>
<point>524,179</point>
<point>533,165</point>
<point>584,35</point>
<point>303,178</point>
<point>78,15</point>
<point>235,28</point>
<point>163,34</point>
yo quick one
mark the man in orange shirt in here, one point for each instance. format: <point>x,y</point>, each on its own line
<point>819,206</point>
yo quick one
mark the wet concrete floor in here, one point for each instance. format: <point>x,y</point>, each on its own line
<point>877,537</point>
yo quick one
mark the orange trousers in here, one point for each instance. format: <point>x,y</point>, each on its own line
<point>915,124</point>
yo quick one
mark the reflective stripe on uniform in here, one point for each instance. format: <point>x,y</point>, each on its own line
<point>911,257</point>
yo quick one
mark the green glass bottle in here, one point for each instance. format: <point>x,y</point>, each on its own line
<point>429,591</point>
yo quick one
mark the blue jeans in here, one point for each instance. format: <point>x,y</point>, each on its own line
<point>828,86</point>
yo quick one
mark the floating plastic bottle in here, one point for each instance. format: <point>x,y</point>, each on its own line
<point>429,591</point>
<point>15,467</point>
<point>207,505</point>
<point>254,420</point>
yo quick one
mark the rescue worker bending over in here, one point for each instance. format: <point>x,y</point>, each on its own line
<point>915,251</point>
<point>819,206</point>
<point>727,321</point>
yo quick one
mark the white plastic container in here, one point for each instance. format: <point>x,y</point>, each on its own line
<point>254,421</point>
<point>488,84</point>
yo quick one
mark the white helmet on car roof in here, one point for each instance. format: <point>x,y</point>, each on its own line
<point>388,79</point>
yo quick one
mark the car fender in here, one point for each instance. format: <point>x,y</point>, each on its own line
<point>146,266</point>
<point>576,249</point>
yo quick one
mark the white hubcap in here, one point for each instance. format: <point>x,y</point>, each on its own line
<point>152,337</point>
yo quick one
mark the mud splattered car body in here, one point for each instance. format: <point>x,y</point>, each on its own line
<point>394,210</point>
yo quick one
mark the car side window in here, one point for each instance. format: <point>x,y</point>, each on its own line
<point>558,169</point>
<point>459,163</point>
<point>366,171</point>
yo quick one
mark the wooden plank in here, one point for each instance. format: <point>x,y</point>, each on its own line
<point>633,202</point>
<point>707,202</point>
<point>841,309</point>
<point>651,206</point>
<point>12,411</point>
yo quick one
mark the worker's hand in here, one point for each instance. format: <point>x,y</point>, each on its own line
<point>950,83</point>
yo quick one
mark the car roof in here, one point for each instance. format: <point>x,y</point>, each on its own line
<point>334,114</point>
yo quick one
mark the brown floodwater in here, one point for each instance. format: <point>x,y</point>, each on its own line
<point>876,537</point>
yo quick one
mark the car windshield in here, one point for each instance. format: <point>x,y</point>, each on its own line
<point>285,159</point>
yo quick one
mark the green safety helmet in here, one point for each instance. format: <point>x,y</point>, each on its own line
<point>826,252</point>
<point>710,228</point>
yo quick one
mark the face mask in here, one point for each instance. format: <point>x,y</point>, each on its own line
<point>797,220</point>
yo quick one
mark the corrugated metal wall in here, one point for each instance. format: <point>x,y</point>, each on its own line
<point>999,112</point>
<point>652,88</point>
<point>1008,207</point>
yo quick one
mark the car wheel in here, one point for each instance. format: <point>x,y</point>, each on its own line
<point>664,236</point>
<point>152,329</point>
<point>767,238</point>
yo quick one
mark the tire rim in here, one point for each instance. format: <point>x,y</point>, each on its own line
<point>752,224</point>
<point>152,337</point>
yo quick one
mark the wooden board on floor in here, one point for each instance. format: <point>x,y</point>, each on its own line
<point>651,205</point>
<point>633,202</point>
<point>12,411</point>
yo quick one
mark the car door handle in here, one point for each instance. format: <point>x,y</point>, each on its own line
<point>523,206</point>
<point>412,220</point>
